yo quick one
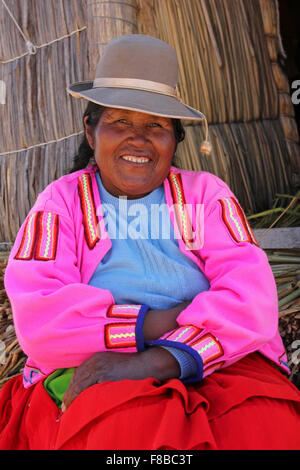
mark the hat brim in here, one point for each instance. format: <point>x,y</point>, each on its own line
<point>136,100</point>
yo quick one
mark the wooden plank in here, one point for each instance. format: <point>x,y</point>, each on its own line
<point>278,238</point>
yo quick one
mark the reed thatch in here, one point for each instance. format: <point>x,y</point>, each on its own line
<point>229,54</point>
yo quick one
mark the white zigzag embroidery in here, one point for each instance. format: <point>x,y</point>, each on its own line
<point>207,346</point>
<point>182,333</point>
<point>122,335</point>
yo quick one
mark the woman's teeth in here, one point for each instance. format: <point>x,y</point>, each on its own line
<point>130,158</point>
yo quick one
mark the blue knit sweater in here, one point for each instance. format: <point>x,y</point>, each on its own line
<point>145,264</point>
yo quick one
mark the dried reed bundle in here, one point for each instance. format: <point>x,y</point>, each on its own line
<point>228,54</point>
<point>250,157</point>
<point>27,174</point>
<point>107,20</point>
<point>224,49</point>
<point>43,123</point>
<point>286,270</point>
<point>38,108</point>
<point>285,212</point>
<point>12,358</point>
<point>223,55</point>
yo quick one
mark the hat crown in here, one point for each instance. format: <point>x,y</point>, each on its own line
<point>139,57</point>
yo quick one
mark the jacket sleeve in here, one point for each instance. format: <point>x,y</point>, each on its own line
<point>239,313</point>
<point>59,320</point>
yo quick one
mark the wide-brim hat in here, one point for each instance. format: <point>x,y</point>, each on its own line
<point>139,73</point>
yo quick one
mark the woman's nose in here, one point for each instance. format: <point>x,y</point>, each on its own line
<point>138,135</point>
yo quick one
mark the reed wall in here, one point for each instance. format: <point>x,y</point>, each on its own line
<point>229,54</point>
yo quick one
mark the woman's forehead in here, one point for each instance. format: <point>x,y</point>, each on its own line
<point>112,112</point>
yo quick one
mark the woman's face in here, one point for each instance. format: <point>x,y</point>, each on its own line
<point>132,150</point>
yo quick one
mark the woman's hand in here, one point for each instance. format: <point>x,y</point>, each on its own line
<point>159,322</point>
<point>109,366</point>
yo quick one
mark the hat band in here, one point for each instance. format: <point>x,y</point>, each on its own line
<point>136,84</point>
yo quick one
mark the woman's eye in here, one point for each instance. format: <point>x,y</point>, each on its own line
<point>155,124</point>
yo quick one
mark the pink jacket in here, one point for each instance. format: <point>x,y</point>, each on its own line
<point>60,320</point>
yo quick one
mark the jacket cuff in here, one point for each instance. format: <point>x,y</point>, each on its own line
<point>140,343</point>
<point>183,347</point>
<point>201,344</point>
<point>125,329</point>
<point>188,365</point>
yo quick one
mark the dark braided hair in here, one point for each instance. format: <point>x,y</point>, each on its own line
<point>86,153</point>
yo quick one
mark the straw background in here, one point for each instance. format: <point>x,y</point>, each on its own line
<point>229,54</point>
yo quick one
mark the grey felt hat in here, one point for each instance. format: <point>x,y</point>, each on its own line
<point>139,73</point>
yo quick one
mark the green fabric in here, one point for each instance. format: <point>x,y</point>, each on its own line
<point>57,383</point>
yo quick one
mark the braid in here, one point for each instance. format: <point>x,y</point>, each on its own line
<point>85,153</point>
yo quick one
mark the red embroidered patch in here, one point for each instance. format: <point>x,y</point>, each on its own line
<point>123,311</point>
<point>27,245</point>
<point>47,236</point>
<point>208,347</point>
<point>119,335</point>
<point>91,228</point>
<point>236,221</point>
<point>39,237</point>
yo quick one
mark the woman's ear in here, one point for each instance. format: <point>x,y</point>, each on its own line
<point>89,133</point>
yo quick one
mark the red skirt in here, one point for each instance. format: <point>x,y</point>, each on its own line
<point>247,406</point>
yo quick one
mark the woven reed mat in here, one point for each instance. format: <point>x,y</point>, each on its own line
<point>285,266</point>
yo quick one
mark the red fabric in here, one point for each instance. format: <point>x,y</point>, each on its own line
<point>249,405</point>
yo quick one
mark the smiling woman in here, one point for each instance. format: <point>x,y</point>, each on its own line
<point>143,342</point>
<point>133,151</point>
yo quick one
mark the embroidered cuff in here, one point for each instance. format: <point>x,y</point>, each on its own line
<point>119,335</point>
<point>127,333</point>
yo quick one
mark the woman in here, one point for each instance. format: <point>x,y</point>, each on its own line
<point>139,341</point>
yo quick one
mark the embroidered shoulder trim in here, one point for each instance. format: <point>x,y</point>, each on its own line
<point>26,248</point>
<point>47,236</point>
<point>91,227</point>
<point>182,217</point>
<point>120,335</point>
<point>236,221</point>
<point>40,237</point>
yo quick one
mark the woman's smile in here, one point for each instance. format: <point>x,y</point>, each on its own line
<point>133,151</point>
<point>136,159</point>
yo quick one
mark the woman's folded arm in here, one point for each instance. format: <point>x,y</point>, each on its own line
<point>239,313</point>
<point>60,321</point>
